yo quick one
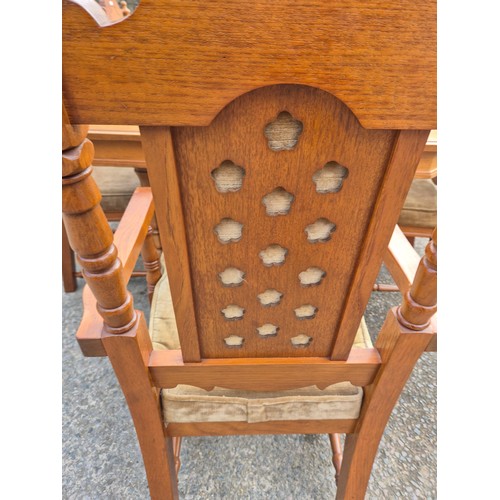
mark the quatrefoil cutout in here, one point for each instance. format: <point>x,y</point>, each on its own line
<point>283,133</point>
<point>330,178</point>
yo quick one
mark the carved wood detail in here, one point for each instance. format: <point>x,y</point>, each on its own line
<point>91,237</point>
<point>420,302</point>
<point>337,453</point>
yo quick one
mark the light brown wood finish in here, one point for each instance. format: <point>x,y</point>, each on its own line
<point>125,336</point>
<point>378,58</point>
<point>273,427</point>
<point>128,240</point>
<point>151,261</point>
<point>128,354</point>
<point>330,133</point>
<point>200,59</point>
<point>337,453</point>
<point>398,177</point>
<point>420,301</point>
<point>162,173</point>
<point>266,374</point>
<point>400,349</point>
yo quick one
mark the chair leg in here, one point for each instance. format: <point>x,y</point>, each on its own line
<point>399,352</point>
<point>126,356</point>
<point>177,441</point>
<point>337,454</point>
<point>68,264</point>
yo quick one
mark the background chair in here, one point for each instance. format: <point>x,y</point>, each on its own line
<point>119,168</point>
<point>360,180</point>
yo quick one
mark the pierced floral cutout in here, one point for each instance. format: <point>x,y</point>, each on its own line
<point>273,255</point>
<point>228,177</point>
<point>270,297</point>
<point>311,276</point>
<point>228,230</point>
<point>307,311</point>
<point>278,202</point>
<point>231,277</point>
<point>233,312</point>
<point>268,330</point>
<point>283,133</point>
<point>234,341</point>
<point>330,178</point>
<point>320,231</point>
<point>301,340</point>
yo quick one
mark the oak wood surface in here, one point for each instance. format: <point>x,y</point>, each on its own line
<point>272,427</point>
<point>378,57</point>
<point>128,239</point>
<point>408,147</point>
<point>265,374</point>
<point>400,349</point>
<point>162,172</point>
<point>330,133</point>
<point>420,301</point>
<point>128,354</point>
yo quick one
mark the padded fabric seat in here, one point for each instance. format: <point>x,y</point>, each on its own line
<point>117,185</point>
<point>191,404</point>
<point>420,207</point>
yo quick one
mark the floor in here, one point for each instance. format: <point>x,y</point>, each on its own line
<point>101,457</point>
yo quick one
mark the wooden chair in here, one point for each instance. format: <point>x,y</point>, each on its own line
<point>276,204</point>
<point>120,146</point>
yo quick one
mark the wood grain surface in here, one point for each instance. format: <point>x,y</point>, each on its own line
<point>330,133</point>
<point>191,59</point>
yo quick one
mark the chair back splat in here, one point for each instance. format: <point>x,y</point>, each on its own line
<point>287,207</point>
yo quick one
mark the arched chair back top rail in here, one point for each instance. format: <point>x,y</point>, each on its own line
<point>280,150</point>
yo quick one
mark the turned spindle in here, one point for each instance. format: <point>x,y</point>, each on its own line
<point>89,233</point>
<point>151,262</point>
<point>419,302</point>
<point>124,8</point>
<point>337,453</point>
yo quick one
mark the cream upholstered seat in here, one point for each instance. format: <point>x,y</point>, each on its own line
<point>420,208</point>
<point>191,404</point>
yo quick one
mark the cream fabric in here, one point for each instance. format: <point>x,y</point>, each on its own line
<point>191,404</point>
<point>420,208</point>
